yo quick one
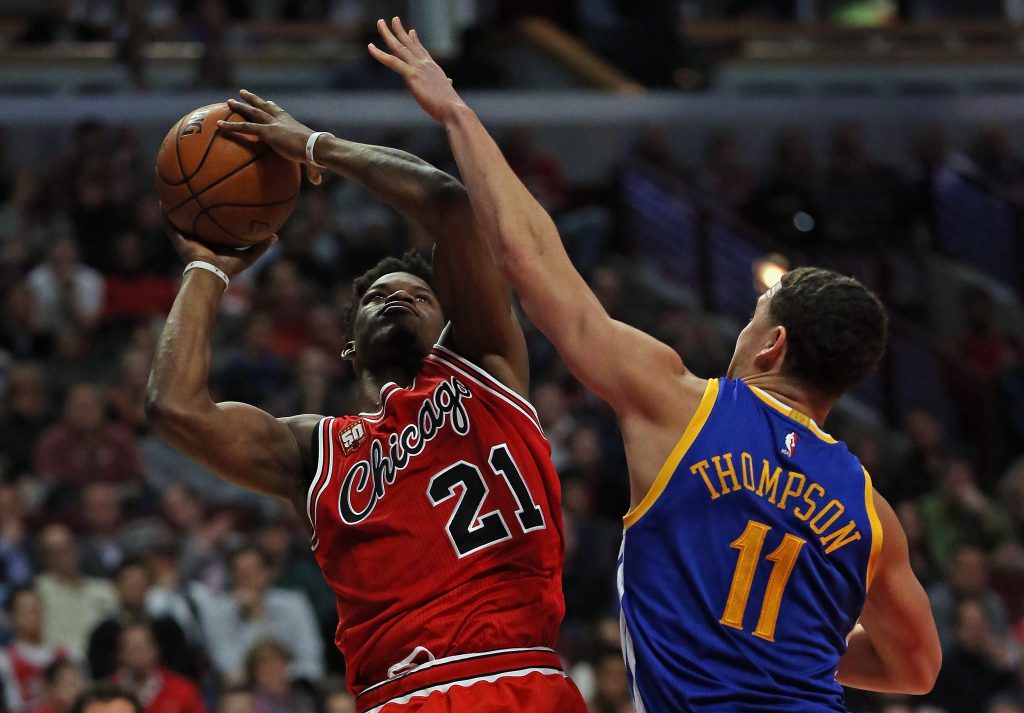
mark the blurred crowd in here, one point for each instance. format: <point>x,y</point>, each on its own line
<point>120,559</point>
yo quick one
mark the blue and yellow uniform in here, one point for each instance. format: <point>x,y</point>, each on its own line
<point>745,567</point>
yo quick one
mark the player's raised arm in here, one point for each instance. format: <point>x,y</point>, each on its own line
<point>239,442</point>
<point>895,648</point>
<point>626,367</point>
<point>473,294</point>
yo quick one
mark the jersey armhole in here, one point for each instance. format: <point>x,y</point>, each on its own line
<point>319,444</point>
<point>876,528</point>
<point>693,429</point>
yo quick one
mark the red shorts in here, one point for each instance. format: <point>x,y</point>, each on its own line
<point>531,693</point>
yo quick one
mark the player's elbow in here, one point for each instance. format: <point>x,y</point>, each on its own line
<point>922,671</point>
<point>164,414</point>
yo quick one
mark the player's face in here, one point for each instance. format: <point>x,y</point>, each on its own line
<point>398,318</point>
<point>755,337</point>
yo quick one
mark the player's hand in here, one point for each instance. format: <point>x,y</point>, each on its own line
<point>428,83</point>
<point>231,261</point>
<point>274,126</point>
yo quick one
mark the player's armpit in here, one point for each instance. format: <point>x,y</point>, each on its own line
<point>896,647</point>
<point>239,442</point>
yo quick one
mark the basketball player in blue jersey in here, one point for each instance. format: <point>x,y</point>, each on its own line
<point>755,543</point>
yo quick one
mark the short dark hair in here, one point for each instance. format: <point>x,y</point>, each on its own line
<point>412,262</point>
<point>836,328</point>
<point>104,693</point>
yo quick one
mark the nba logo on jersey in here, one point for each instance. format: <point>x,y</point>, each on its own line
<point>352,437</point>
<point>790,445</point>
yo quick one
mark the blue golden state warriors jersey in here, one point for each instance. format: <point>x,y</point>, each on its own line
<point>746,565</point>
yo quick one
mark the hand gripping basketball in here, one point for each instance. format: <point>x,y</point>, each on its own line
<point>273,126</point>
<point>231,261</point>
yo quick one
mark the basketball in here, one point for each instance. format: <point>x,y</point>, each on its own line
<point>226,189</point>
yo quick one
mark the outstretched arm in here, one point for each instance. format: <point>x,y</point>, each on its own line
<point>624,366</point>
<point>239,442</point>
<point>473,294</point>
<point>895,647</point>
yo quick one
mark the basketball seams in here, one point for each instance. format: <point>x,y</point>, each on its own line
<point>195,196</point>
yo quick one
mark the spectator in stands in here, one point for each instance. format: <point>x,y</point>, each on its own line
<point>978,664</point>
<point>133,583</point>
<point>909,515</point>
<point>107,698</point>
<point>864,201</point>
<point>284,297</point>
<point>968,580</point>
<point>26,413</point>
<point>252,370</point>
<point>982,345</point>
<point>159,689</point>
<point>252,612</point>
<point>65,291</point>
<point>132,290</point>
<point>16,568</point>
<point>788,204</point>
<point>266,667</point>
<point>611,691</point>
<point>72,604</point>
<point>959,513</point>
<point>919,468</point>
<point>127,397</point>
<point>24,217</point>
<point>539,170</point>
<point>23,332</point>
<point>63,683</point>
<point>102,547</point>
<point>995,162</point>
<point>295,571</point>
<point>339,700</point>
<point>85,447</point>
<point>237,699</point>
<point>200,535</point>
<point>23,662</point>
<point>1010,404</point>
<point>728,180</point>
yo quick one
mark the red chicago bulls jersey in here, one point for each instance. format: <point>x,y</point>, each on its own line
<point>437,523</point>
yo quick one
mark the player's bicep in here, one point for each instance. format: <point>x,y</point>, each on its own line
<point>242,444</point>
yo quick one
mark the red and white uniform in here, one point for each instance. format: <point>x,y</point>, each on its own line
<point>437,523</point>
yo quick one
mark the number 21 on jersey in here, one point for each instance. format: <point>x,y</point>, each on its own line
<point>783,559</point>
<point>468,530</point>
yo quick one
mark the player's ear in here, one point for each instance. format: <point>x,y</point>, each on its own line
<point>349,353</point>
<point>773,350</point>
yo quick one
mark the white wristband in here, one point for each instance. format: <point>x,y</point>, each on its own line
<point>209,268</point>
<point>310,143</point>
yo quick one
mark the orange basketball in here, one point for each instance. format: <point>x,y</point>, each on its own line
<point>227,189</point>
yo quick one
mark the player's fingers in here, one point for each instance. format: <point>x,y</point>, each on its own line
<point>249,112</point>
<point>241,127</point>
<point>255,100</point>
<point>389,61</point>
<point>417,46</point>
<point>399,31</point>
<point>314,175</point>
<point>393,43</point>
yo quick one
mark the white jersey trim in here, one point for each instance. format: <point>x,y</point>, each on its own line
<point>628,651</point>
<point>329,474</point>
<point>451,659</point>
<point>318,473</point>
<point>515,396</point>
<point>466,682</point>
<point>487,387</point>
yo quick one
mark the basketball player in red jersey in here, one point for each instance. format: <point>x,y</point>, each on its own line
<point>435,511</point>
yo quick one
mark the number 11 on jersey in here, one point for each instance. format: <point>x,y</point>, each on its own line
<point>783,558</point>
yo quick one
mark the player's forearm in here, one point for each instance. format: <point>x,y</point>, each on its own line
<point>518,229</point>
<point>407,183</point>
<point>181,366</point>
<point>869,668</point>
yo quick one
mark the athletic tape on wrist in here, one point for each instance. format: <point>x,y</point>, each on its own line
<point>202,265</point>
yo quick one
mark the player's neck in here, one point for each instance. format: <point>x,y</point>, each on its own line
<point>372,381</point>
<point>794,395</point>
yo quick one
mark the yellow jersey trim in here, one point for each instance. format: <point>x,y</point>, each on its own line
<point>792,413</point>
<point>693,429</point>
<point>876,527</point>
